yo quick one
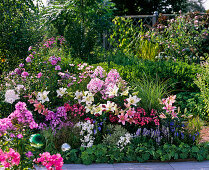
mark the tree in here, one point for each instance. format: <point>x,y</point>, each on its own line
<point>19,28</point>
<point>134,7</point>
<point>82,22</point>
<point>195,5</point>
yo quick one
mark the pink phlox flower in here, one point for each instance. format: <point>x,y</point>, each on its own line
<point>95,85</point>
<point>9,159</point>
<point>50,161</point>
<point>19,136</point>
<point>24,74</point>
<point>29,154</point>
<point>39,75</point>
<point>57,67</point>
<point>28,59</point>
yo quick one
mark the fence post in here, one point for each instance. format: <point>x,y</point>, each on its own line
<point>154,18</point>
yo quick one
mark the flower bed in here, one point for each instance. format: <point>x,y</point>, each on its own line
<point>87,115</point>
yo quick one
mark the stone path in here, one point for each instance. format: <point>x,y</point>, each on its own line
<point>191,165</point>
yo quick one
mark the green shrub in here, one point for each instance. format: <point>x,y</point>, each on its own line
<point>180,75</point>
<point>192,103</point>
<point>82,23</point>
<point>202,82</point>
<point>129,39</point>
<point>185,38</point>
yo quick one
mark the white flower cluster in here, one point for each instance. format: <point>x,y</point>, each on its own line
<point>86,97</point>
<point>11,96</point>
<point>86,133</point>
<point>124,140</point>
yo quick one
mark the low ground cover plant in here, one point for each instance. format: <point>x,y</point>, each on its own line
<point>79,110</point>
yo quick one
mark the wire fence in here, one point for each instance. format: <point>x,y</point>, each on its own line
<point>148,22</point>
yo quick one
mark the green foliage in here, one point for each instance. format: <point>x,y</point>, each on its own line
<point>135,7</point>
<point>129,39</point>
<point>192,103</point>
<point>19,29</point>
<point>140,152</point>
<point>114,132</point>
<point>202,82</point>
<point>180,75</point>
<point>82,23</point>
<point>53,142</point>
<point>150,91</point>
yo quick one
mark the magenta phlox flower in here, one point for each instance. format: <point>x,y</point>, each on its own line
<point>18,71</point>
<point>50,161</point>
<point>39,75</point>
<point>57,67</point>
<point>9,159</point>
<point>22,116</point>
<point>19,136</point>
<point>5,125</point>
<point>54,60</point>
<point>29,154</point>
<point>28,59</point>
<point>24,74</point>
<point>21,65</point>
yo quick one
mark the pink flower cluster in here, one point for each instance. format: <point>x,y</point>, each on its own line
<point>138,116</point>
<point>54,60</point>
<point>50,42</point>
<point>9,159</point>
<point>168,105</point>
<point>95,85</point>
<point>75,110</point>
<point>22,116</point>
<point>5,125</point>
<point>99,71</point>
<point>50,161</point>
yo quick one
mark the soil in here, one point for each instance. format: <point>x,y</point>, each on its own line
<point>204,134</point>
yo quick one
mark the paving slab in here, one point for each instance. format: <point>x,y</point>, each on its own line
<point>141,166</point>
<point>193,165</point>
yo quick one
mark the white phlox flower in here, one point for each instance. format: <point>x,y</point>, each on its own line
<point>11,96</point>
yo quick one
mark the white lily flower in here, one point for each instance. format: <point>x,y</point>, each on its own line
<point>88,98</point>
<point>125,93</point>
<point>133,100</point>
<point>78,96</point>
<point>43,96</point>
<point>61,91</point>
<point>112,91</point>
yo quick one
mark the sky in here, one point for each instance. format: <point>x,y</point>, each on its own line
<point>206,3</point>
